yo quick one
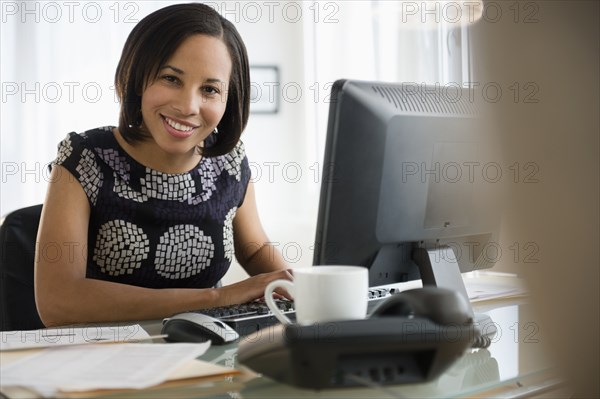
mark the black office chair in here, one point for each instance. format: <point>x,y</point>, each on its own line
<point>18,235</point>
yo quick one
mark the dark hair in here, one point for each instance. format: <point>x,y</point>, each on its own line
<point>149,46</point>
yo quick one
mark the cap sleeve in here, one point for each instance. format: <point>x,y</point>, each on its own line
<point>75,156</point>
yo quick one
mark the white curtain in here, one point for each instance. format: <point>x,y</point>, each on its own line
<point>57,68</point>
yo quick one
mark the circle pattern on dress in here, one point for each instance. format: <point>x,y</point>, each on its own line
<point>120,247</point>
<point>183,251</point>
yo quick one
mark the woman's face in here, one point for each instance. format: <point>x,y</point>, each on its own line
<point>188,99</point>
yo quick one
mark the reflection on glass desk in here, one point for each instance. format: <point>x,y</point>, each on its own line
<point>474,368</point>
<point>515,365</point>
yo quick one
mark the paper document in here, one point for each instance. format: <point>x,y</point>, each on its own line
<point>494,287</point>
<point>480,292</point>
<point>98,367</point>
<point>480,285</point>
<point>14,340</point>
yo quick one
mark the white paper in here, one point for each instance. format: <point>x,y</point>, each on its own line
<point>92,367</point>
<point>487,285</point>
<point>14,340</point>
<point>480,285</point>
<point>483,291</point>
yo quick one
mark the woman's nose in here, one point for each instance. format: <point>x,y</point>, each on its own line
<point>188,103</point>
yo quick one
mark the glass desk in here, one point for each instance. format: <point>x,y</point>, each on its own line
<point>515,365</point>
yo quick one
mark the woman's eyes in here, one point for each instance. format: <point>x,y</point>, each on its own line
<point>209,90</point>
<point>170,78</point>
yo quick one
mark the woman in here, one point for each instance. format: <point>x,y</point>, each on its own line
<point>163,201</point>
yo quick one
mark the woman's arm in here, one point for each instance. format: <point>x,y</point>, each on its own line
<point>255,253</point>
<point>253,249</point>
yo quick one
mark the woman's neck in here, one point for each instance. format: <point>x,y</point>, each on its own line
<point>149,155</point>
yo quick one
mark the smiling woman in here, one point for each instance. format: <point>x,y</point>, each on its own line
<point>164,201</point>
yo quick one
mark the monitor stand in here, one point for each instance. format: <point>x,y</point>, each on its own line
<point>439,267</point>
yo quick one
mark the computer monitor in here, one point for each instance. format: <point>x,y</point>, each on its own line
<point>411,184</point>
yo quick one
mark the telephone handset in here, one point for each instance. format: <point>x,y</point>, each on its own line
<point>411,337</point>
<point>442,306</point>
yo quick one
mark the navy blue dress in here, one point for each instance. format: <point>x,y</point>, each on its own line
<point>153,229</point>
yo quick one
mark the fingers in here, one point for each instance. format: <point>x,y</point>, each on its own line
<point>254,287</point>
<point>277,295</point>
<point>282,293</point>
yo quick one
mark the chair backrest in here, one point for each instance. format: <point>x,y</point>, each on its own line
<point>18,235</point>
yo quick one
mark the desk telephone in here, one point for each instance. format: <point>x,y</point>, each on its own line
<point>411,337</point>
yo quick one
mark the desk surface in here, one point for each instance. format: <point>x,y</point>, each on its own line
<point>515,365</point>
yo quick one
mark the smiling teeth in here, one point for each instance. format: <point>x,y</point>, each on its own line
<point>178,126</point>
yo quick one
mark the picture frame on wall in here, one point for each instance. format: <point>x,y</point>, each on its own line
<point>264,89</point>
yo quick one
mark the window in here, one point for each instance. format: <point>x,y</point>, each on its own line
<point>393,41</point>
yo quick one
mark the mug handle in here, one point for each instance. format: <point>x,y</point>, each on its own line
<point>272,286</point>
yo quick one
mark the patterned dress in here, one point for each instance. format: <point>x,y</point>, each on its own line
<point>153,229</point>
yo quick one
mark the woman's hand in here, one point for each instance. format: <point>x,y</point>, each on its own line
<point>254,287</point>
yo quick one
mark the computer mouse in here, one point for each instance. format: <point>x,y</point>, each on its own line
<point>197,327</point>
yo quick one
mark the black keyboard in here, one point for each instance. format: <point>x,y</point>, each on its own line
<point>250,317</point>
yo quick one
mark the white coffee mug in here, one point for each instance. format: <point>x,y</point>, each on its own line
<point>324,293</point>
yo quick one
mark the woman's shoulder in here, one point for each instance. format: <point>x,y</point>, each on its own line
<point>91,137</point>
<point>86,146</point>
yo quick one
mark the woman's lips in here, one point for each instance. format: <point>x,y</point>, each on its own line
<point>177,129</point>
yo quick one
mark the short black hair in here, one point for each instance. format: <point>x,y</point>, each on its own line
<point>149,46</point>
